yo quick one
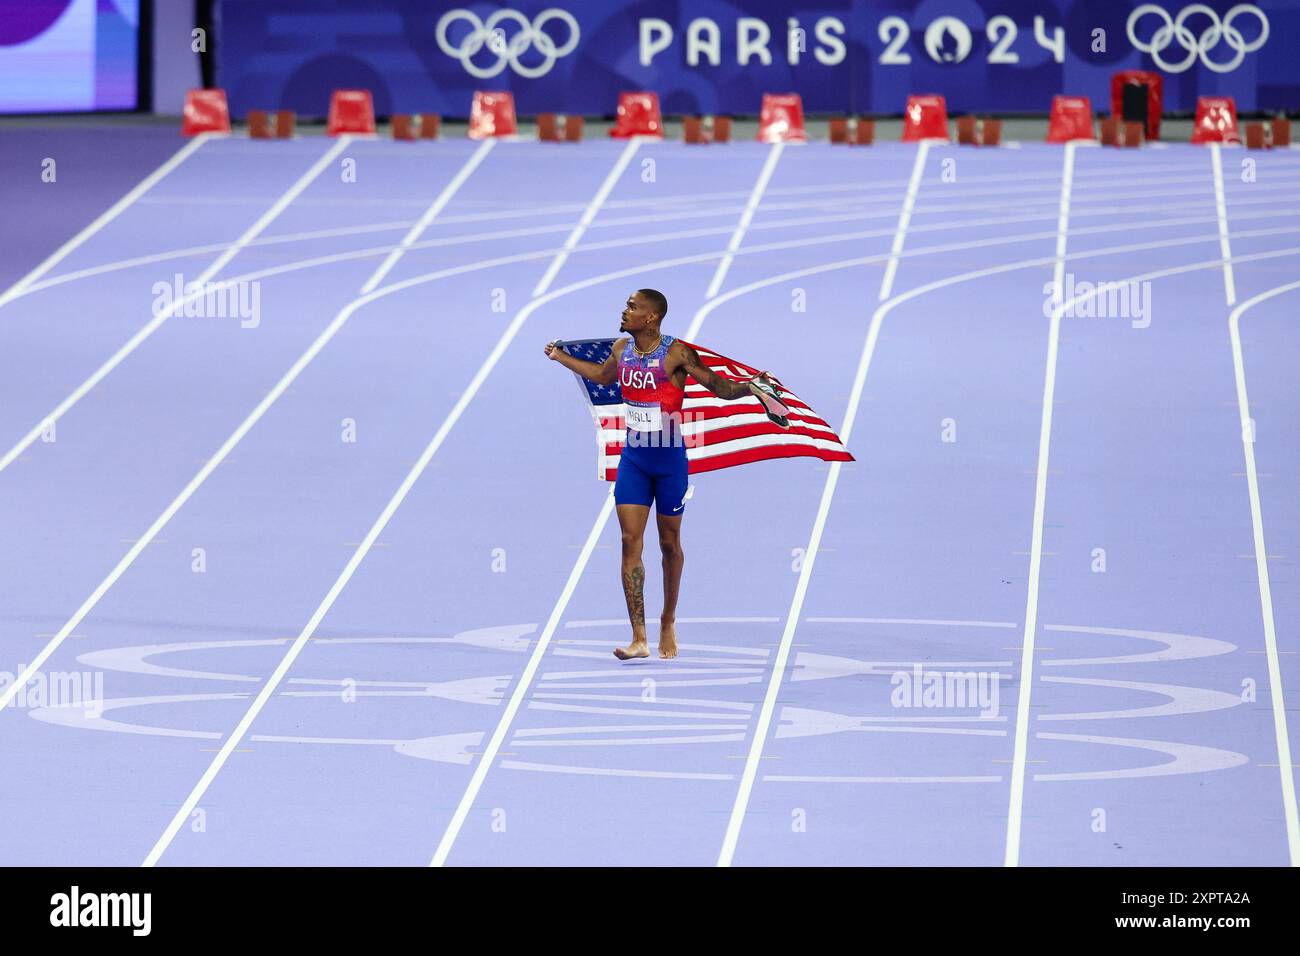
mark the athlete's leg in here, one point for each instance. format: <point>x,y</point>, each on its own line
<point>671,485</point>
<point>632,520</point>
<point>670,543</point>
<point>633,495</point>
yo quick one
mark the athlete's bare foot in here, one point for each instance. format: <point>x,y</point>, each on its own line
<point>633,651</point>
<point>667,640</point>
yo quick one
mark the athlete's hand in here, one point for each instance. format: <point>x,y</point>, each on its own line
<point>553,350</point>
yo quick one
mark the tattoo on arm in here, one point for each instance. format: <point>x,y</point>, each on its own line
<point>634,592</point>
<point>724,388</point>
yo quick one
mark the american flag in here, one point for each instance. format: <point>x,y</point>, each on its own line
<point>719,434</point>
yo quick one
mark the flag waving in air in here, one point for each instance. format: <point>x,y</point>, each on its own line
<point>718,433</point>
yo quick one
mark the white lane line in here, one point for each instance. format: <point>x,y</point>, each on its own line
<point>362,549</point>
<point>751,207</point>
<point>1248,438</point>
<point>575,575</point>
<point>184,153</point>
<point>588,215</point>
<point>741,803</point>
<point>814,270</point>
<point>1260,192</point>
<point>423,222</point>
<point>281,204</point>
<point>1021,749</point>
<point>887,307</point>
<point>188,491</point>
<point>14,453</point>
<point>159,318</point>
<point>1221,209</point>
<point>904,217</point>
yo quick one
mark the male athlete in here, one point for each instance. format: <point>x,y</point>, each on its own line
<point>651,370</point>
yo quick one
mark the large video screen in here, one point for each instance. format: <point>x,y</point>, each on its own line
<point>68,55</point>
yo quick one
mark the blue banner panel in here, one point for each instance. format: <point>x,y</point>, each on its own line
<point>711,56</point>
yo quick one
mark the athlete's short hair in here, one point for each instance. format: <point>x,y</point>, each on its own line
<point>657,301</point>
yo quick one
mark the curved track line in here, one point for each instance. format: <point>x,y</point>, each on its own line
<point>104,218</point>
<point>1286,766</point>
<point>532,306</point>
<point>676,216</point>
<point>149,328</point>
<point>362,549</point>
<point>814,542</point>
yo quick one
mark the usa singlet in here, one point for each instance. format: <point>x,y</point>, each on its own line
<point>652,466</point>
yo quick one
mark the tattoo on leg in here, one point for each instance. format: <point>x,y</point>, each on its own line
<point>634,591</point>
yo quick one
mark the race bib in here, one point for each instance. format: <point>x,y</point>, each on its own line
<point>644,417</point>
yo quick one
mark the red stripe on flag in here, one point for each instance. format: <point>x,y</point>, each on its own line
<point>701,405</point>
<point>720,435</point>
<point>765,453</point>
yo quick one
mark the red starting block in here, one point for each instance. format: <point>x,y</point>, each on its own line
<point>781,119</point>
<point>1109,131</point>
<point>351,111</point>
<point>205,112</point>
<point>926,117</point>
<point>259,124</point>
<point>1071,119</point>
<point>1281,131</point>
<point>967,130</point>
<point>638,115</point>
<point>404,128</point>
<point>1216,120</point>
<point>492,114</point>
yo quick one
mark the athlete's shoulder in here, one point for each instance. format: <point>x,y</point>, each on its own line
<point>620,346</point>
<point>679,353</point>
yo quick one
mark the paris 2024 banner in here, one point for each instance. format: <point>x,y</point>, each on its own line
<point>708,56</point>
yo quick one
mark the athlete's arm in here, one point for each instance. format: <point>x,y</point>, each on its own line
<point>689,359</point>
<point>603,374</point>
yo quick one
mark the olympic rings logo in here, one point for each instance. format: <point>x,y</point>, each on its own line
<point>1175,28</point>
<point>492,35</point>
